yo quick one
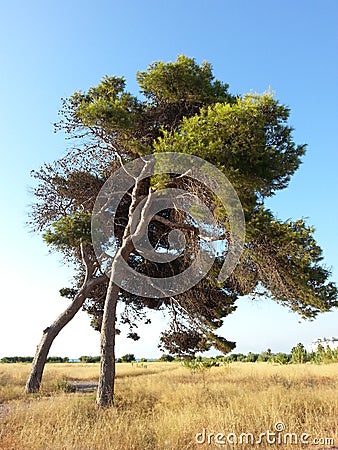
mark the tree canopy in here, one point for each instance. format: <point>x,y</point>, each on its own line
<point>182,108</point>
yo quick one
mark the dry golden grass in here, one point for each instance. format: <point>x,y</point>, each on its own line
<point>163,406</point>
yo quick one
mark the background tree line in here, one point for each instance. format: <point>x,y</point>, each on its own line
<point>29,359</point>
<point>298,355</point>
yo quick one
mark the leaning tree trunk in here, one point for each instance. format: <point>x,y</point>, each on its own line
<point>105,391</point>
<point>50,333</point>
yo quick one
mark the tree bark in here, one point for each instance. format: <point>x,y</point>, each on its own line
<point>105,391</point>
<point>50,333</point>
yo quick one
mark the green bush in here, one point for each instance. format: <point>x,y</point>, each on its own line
<point>64,386</point>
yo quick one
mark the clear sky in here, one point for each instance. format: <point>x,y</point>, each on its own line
<point>51,49</point>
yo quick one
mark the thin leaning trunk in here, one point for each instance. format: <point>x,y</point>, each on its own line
<point>48,336</point>
<point>50,333</point>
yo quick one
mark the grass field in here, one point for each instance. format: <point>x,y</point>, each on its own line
<point>164,405</point>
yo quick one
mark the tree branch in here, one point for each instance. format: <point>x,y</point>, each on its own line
<point>182,226</point>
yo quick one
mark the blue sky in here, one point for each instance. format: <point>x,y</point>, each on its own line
<point>51,49</point>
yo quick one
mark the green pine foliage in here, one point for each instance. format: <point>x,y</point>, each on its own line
<point>69,231</point>
<point>183,108</point>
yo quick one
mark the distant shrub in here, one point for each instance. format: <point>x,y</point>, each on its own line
<point>166,358</point>
<point>90,359</point>
<point>281,358</point>
<point>299,354</point>
<point>199,363</point>
<point>57,359</point>
<point>323,356</point>
<point>251,357</point>
<point>64,386</point>
<point>129,357</point>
